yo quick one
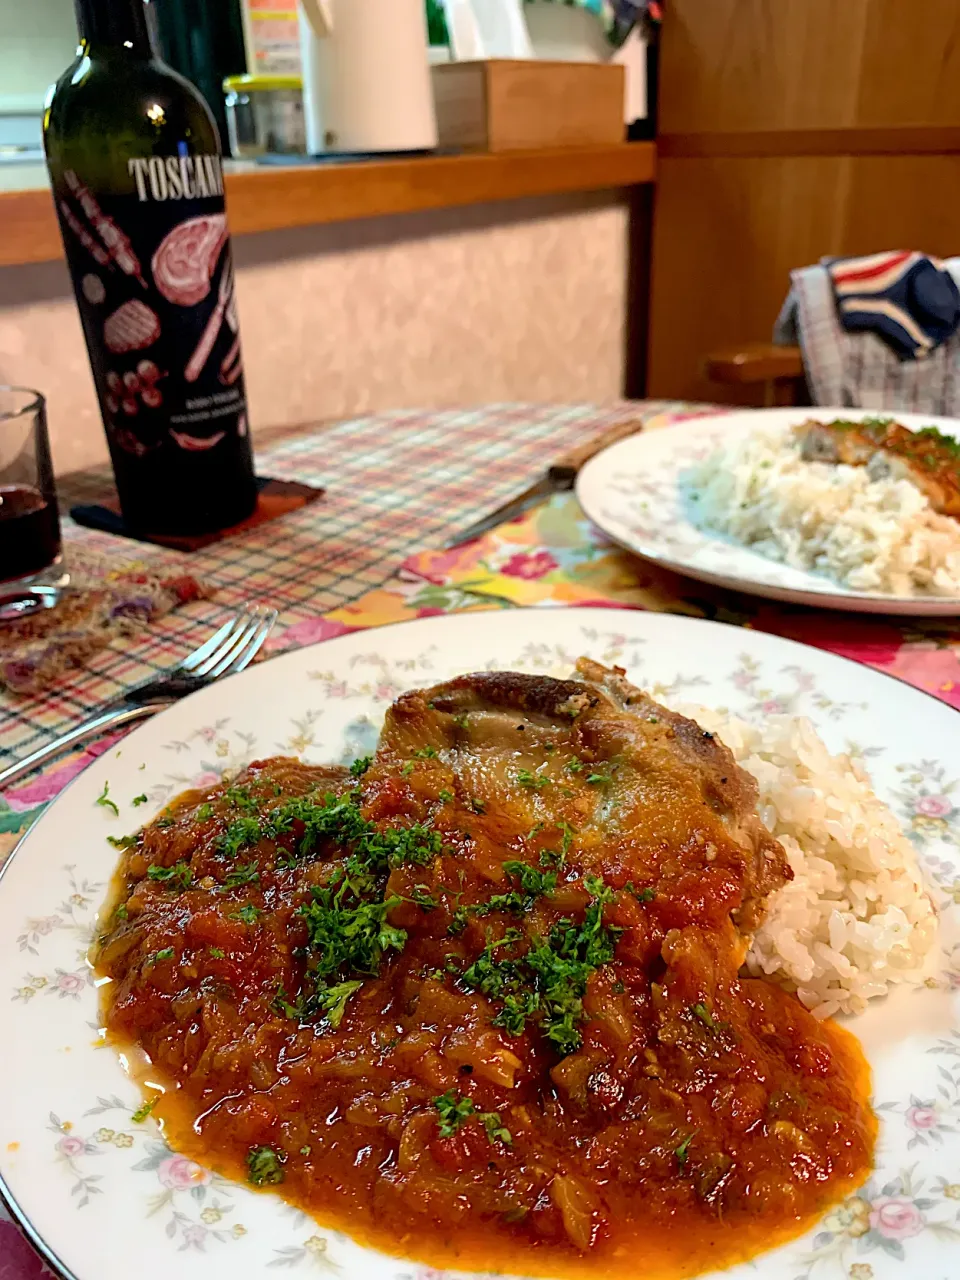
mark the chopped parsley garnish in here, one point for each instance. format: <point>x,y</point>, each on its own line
<point>477,805</point>
<point>122,842</point>
<point>264,1167</point>
<point>165,953</point>
<point>646,894</point>
<point>452,1111</point>
<point>496,1131</point>
<point>360,767</point>
<point>121,912</point>
<point>461,720</point>
<point>531,883</point>
<point>547,984</point>
<point>534,781</point>
<point>248,914</point>
<point>534,883</point>
<point>684,1147</point>
<point>458,922</point>
<point>217,953</point>
<point>575,765</point>
<point>204,813</point>
<point>245,873</point>
<point>701,1011</point>
<point>305,1151</point>
<point>407,769</point>
<point>422,897</point>
<point>426,753</point>
<point>599,779</point>
<point>163,822</point>
<point>445,797</point>
<point>947,443</point>
<point>350,934</point>
<point>103,799</point>
<point>340,821</point>
<point>137,801</point>
<point>238,835</point>
<point>145,1109</point>
<point>240,798</point>
<point>179,876</point>
<point>333,1001</point>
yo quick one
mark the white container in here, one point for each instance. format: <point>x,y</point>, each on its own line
<point>366,76</point>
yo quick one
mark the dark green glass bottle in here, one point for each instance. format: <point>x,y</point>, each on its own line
<point>135,166</point>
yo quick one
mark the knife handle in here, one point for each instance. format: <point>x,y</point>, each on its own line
<point>563,473</point>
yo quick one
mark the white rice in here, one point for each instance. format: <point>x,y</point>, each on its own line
<point>870,535</point>
<point>856,919</point>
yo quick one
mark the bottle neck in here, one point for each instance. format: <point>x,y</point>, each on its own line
<point>107,25</point>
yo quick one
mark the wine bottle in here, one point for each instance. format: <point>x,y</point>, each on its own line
<point>135,166</point>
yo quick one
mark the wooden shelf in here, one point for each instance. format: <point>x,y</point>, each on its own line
<point>270,199</point>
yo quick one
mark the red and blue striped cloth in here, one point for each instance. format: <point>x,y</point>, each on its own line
<point>907,298</point>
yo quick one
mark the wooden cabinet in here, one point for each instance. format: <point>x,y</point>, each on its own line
<point>792,129</point>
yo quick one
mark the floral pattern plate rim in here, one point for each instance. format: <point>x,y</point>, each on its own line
<point>632,491</point>
<point>103,1195</point>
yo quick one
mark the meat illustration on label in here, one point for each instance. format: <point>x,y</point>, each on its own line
<point>130,443</point>
<point>200,357</point>
<point>95,250</point>
<point>197,444</point>
<point>117,243</point>
<point>186,261</point>
<point>93,289</point>
<point>231,366</point>
<point>123,391</point>
<point>131,327</point>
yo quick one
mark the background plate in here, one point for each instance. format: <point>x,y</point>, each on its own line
<point>632,492</point>
<point>107,1199</point>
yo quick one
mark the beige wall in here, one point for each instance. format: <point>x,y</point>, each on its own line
<point>521,301</point>
<point>38,39</point>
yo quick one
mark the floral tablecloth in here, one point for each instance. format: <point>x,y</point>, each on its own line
<point>550,557</point>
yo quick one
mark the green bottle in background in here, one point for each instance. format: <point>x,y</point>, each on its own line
<point>135,166</point>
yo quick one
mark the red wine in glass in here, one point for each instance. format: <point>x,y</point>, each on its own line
<point>29,532</point>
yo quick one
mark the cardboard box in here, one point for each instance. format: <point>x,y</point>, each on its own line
<point>506,105</point>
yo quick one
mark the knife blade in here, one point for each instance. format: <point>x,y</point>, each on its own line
<point>558,478</point>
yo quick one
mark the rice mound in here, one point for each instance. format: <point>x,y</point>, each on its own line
<point>869,535</point>
<point>856,919</point>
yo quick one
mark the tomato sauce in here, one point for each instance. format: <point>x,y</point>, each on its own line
<point>534,1070</point>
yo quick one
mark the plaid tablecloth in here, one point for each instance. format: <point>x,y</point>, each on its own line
<point>395,483</point>
<point>366,555</point>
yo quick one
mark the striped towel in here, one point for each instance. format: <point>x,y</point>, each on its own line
<point>861,370</point>
<point>907,298</point>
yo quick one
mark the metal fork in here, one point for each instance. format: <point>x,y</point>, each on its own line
<point>228,651</point>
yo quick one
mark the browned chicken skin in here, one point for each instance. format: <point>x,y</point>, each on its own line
<point>927,458</point>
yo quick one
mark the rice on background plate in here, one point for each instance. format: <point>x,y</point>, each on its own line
<point>856,919</point>
<point>869,535</point>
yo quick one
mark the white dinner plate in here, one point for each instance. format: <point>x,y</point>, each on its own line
<point>106,1199</point>
<point>632,491</point>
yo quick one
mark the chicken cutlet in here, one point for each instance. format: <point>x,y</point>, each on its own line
<point>927,458</point>
<point>479,1000</point>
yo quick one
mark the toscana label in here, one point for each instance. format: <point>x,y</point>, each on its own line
<point>155,287</point>
<point>177,177</point>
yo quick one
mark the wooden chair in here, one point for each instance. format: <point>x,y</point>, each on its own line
<point>778,370</point>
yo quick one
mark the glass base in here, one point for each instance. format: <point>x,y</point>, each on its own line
<point>20,598</point>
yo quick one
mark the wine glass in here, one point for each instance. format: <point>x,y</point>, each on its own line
<point>29,519</point>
